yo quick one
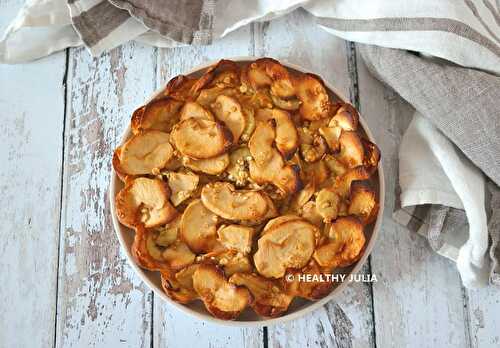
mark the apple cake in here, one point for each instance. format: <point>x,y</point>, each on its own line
<point>241,177</point>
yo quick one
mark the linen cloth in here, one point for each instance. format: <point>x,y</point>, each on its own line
<point>457,109</point>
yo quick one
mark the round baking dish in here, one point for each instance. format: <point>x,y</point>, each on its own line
<point>248,318</point>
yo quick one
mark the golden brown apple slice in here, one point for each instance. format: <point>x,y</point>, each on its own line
<point>221,298</point>
<point>278,221</point>
<point>269,72</point>
<point>261,144</point>
<point>285,104</point>
<point>145,252</point>
<point>207,96</point>
<point>346,119</point>
<point>224,200</point>
<point>152,256</point>
<point>327,204</point>
<point>159,114</point>
<point>343,183</point>
<point>195,110</point>
<point>267,165</point>
<point>310,213</point>
<point>295,284</point>
<point>179,286</point>
<point>287,245</point>
<point>200,139</point>
<point>145,201</point>
<point>363,202</point>
<point>286,137</point>
<point>352,151</point>
<point>236,237</point>
<point>168,234</point>
<point>346,240</point>
<point>334,165</point>
<point>311,92</point>
<point>229,111</point>
<point>224,73</point>
<point>237,169</point>
<point>178,255</point>
<point>230,260</point>
<point>120,172</point>
<point>269,299</point>
<point>212,166</point>
<point>315,151</point>
<point>372,155</point>
<point>145,153</point>
<point>182,186</point>
<point>199,227</point>
<point>178,88</point>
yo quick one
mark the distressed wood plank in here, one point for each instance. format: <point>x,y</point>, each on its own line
<point>170,325</point>
<point>101,301</point>
<point>347,321</point>
<point>30,172</point>
<point>483,308</point>
<point>418,298</point>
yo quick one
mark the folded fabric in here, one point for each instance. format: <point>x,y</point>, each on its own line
<point>464,32</point>
<point>442,192</point>
<point>457,119</point>
<point>446,191</point>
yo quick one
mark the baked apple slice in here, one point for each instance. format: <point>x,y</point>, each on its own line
<point>313,152</point>
<point>269,300</point>
<point>224,200</point>
<point>237,169</point>
<point>236,237</point>
<point>230,260</point>
<point>225,73</point>
<point>178,88</point>
<point>346,240</point>
<point>159,114</point>
<point>145,201</point>
<point>229,111</point>
<point>212,166</point>
<point>151,256</point>
<point>195,110</point>
<point>346,119</point>
<point>269,72</point>
<point>179,286</point>
<point>343,182</point>
<point>182,186</point>
<point>363,202</point>
<point>145,153</point>
<point>267,165</point>
<point>286,137</point>
<point>327,204</point>
<point>352,152</point>
<point>287,245</point>
<point>278,221</point>
<point>221,298</point>
<point>198,227</point>
<point>312,93</point>
<point>200,139</point>
<point>310,290</point>
<point>178,255</point>
<point>169,233</point>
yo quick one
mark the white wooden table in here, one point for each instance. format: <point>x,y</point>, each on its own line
<point>64,279</point>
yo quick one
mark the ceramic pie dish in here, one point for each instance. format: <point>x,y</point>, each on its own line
<point>264,199</point>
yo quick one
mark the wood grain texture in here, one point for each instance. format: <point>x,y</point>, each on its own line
<point>483,312</point>
<point>170,325</point>
<point>101,301</point>
<point>347,321</point>
<point>418,297</point>
<point>31,139</point>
